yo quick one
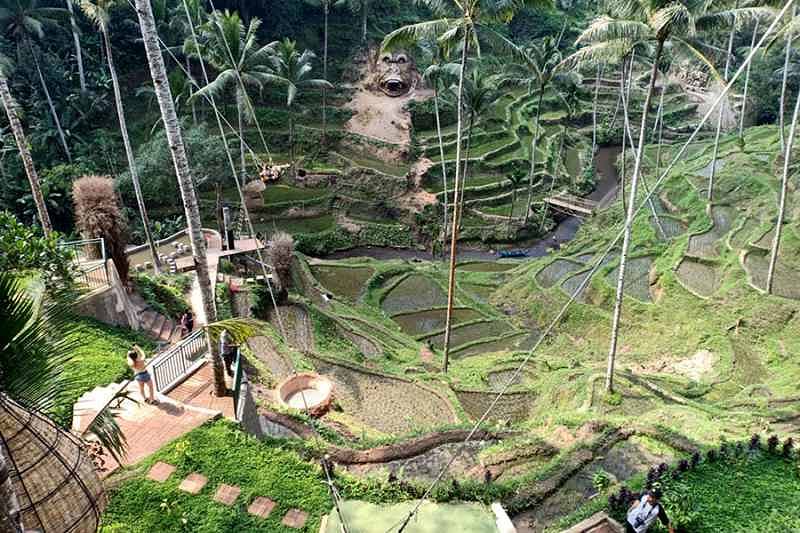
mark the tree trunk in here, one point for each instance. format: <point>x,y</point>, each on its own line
<point>242,160</point>
<point>291,138</point>
<point>25,154</point>
<point>451,283</point>
<point>9,506</point>
<point>78,51</point>
<point>624,166</point>
<point>626,125</point>
<point>715,152</point>
<point>172,128</point>
<point>50,104</point>
<point>594,107</point>
<point>326,9</point>
<point>626,241</point>
<point>218,209</point>
<point>534,142</point>
<point>660,140</point>
<point>123,128</point>
<point>747,83</point>
<point>364,10</point>
<point>191,90</point>
<point>444,164</point>
<point>776,241</point>
<point>784,83</point>
<point>465,170</point>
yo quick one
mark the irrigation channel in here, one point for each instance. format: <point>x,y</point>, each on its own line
<point>605,191</point>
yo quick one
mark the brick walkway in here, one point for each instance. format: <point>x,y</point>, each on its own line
<point>198,391</point>
<point>149,427</point>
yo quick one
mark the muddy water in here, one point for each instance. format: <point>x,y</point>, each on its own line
<point>605,192</point>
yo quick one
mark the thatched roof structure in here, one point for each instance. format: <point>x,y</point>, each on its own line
<point>54,479</point>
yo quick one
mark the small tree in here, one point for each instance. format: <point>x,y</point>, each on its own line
<point>281,253</point>
<point>98,215</point>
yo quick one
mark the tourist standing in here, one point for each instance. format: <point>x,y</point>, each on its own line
<point>645,511</point>
<point>137,363</point>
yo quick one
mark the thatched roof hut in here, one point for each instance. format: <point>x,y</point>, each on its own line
<point>53,478</point>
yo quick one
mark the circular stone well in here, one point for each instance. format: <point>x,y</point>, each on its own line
<point>306,391</point>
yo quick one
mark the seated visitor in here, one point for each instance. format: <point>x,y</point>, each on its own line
<point>643,513</point>
<point>137,362</point>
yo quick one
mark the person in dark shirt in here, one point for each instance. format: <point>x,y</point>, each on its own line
<point>644,511</point>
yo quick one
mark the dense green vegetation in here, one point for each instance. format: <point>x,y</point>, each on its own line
<point>165,294</point>
<point>100,357</point>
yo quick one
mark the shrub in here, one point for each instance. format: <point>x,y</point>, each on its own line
<point>601,480</point>
<point>224,304</point>
<point>23,248</point>
<point>788,445</point>
<point>164,294</point>
<point>772,443</point>
<point>755,442</point>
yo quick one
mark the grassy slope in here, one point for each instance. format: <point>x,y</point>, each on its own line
<point>100,358</point>
<point>680,323</point>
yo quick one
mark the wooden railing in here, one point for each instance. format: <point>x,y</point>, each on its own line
<point>172,366</point>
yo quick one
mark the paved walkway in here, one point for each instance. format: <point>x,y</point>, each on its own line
<point>198,391</point>
<point>149,427</point>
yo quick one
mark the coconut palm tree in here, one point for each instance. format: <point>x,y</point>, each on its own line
<point>98,11</point>
<point>291,70</point>
<point>536,69</point>
<point>38,341</point>
<point>436,75</point>
<point>242,65</point>
<point>24,21</point>
<point>516,177</point>
<point>787,159</point>
<point>641,21</point>
<point>479,92</point>
<point>172,127</point>
<point>460,25</point>
<point>12,112</point>
<point>743,112</point>
<point>789,35</point>
<point>326,9</point>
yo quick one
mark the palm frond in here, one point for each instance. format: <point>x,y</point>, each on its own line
<point>408,36</point>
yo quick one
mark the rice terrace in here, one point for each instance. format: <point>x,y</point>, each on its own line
<point>438,266</point>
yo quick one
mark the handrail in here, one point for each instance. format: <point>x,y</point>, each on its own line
<point>172,366</point>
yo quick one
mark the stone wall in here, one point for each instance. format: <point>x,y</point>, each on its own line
<point>110,305</point>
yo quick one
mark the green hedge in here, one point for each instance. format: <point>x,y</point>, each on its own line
<point>164,294</point>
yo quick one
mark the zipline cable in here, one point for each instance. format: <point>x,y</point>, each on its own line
<point>599,262</point>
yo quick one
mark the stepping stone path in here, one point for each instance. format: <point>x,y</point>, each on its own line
<point>261,507</point>
<point>227,494</point>
<point>193,483</point>
<point>295,518</point>
<point>160,472</point>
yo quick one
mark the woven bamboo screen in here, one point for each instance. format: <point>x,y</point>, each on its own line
<point>54,479</point>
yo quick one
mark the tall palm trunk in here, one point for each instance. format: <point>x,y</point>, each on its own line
<point>50,103</point>
<point>465,168</point>
<point>534,142</point>
<point>747,83</point>
<point>364,10</point>
<point>715,152</point>
<point>660,137</point>
<point>191,89</point>
<point>626,240</point>
<point>126,141</point>
<point>787,158</point>
<point>326,9</point>
<point>172,128</point>
<point>451,282</point>
<point>784,83</point>
<point>25,154</point>
<point>78,50</point>
<point>626,126</point>
<point>444,163</point>
<point>623,167</point>
<point>594,107</point>
<point>242,161</point>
